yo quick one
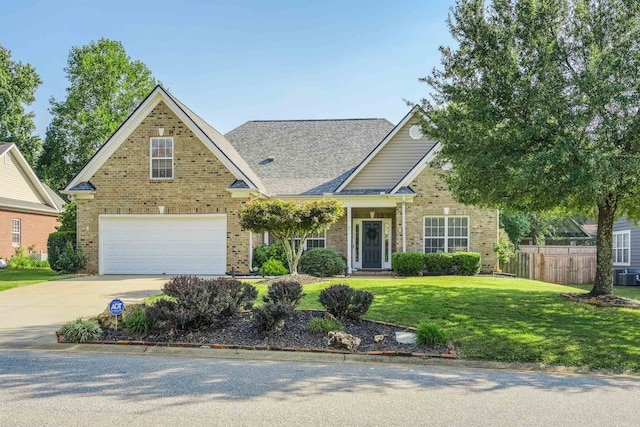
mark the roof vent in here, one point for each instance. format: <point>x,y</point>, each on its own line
<point>266,161</point>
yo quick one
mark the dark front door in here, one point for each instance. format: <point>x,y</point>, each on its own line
<point>371,244</point>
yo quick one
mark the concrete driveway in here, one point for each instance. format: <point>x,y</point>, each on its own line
<point>30,315</point>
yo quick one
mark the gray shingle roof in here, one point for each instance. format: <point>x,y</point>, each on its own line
<point>221,142</point>
<point>306,156</point>
<point>4,147</point>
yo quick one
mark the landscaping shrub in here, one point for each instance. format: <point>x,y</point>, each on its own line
<point>343,301</point>
<point>21,260</point>
<point>467,263</point>
<point>430,334</point>
<point>288,292</point>
<point>271,316</point>
<point>71,259</point>
<point>199,302</point>
<point>322,262</point>
<point>438,263</point>
<point>56,244</point>
<point>138,321</point>
<point>81,330</point>
<point>408,263</point>
<point>279,304</point>
<point>264,253</point>
<point>273,267</point>
<point>318,325</point>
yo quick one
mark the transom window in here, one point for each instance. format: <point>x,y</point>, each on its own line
<point>621,247</point>
<point>446,234</point>
<point>161,158</point>
<point>15,233</point>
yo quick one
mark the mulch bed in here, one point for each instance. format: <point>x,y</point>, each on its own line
<point>602,300</point>
<point>240,332</point>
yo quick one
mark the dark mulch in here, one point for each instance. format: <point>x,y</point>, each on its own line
<point>601,300</point>
<point>240,330</point>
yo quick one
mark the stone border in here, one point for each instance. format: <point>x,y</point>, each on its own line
<point>595,301</point>
<point>451,355</point>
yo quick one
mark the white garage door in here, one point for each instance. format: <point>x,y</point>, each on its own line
<point>163,244</point>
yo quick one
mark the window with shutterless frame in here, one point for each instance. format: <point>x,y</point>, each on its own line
<point>161,153</point>
<point>446,234</point>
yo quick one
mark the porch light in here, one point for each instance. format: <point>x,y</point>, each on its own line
<point>161,209</point>
<point>446,211</point>
<point>372,214</point>
<point>160,131</point>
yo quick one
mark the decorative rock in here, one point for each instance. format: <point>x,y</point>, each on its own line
<point>108,320</point>
<point>406,337</point>
<point>378,338</point>
<point>341,339</point>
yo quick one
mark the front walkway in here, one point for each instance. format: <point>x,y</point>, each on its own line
<point>31,314</point>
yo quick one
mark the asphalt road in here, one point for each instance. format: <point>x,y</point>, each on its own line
<point>49,388</point>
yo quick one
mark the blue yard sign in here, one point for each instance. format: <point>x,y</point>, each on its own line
<point>116,307</point>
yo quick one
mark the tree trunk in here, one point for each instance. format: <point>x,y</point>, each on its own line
<point>603,284</point>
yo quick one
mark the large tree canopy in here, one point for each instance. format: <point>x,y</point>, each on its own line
<point>105,86</point>
<point>288,221</point>
<point>537,108</point>
<point>18,84</point>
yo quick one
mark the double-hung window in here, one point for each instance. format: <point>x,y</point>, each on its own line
<point>316,240</point>
<point>161,158</point>
<point>446,234</point>
<point>622,247</point>
<point>15,233</point>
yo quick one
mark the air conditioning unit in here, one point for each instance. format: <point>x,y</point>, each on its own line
<point>629,279</point>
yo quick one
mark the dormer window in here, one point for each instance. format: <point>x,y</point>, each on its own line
<point>161,158</point>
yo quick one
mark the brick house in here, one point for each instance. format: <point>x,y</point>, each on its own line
<point>162,195</point>
<point>29,209</point>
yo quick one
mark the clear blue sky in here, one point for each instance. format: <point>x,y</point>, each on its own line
<point>242,60</point>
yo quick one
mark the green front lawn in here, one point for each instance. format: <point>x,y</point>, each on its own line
<point>510,320</point>
<point>12,278</point>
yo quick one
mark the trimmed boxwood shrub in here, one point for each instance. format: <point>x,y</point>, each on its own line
<point>467,263</point>
<point>56,244</point>
<point>408,263</point>
<point>286,292</point>
<point>279,304</point>
<point>438,263</point>
<point>322,262</point>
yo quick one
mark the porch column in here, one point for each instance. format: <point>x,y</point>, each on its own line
<point>349,241</point>
<point>250,251</point>
<point>404,226</point>
<point>265,238</point>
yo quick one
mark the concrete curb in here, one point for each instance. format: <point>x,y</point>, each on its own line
<point>310,357</point>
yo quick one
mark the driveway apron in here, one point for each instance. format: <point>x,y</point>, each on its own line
<point>30,315</point>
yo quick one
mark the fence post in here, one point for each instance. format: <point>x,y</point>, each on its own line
<point>541,267</point>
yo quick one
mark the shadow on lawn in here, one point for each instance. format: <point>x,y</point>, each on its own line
<point>518,325</point>
<point>127,378</point>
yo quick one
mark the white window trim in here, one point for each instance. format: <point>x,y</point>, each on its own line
<point>616,233</point>
<point>7,158</point>
<point>306,243</point>
<point>446,230</point>
<point>151,158</point>
<point>19,232</point>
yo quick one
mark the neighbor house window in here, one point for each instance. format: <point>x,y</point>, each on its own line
<point>161,158</point>
<point>622,247</point>
<point>446,234</point>
<point>15,233</point>
<point>316,240</point>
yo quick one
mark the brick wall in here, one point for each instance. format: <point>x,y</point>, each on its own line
<point>35,230</point>
<point>432,196</point>
<point>199,186</point>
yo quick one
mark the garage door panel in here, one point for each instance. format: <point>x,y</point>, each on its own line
<point>163,244</point>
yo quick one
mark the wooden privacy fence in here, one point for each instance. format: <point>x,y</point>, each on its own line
<point>554,264</point>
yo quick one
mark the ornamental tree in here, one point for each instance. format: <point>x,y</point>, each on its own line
<point>536,108</point>
<point>289,220</point>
